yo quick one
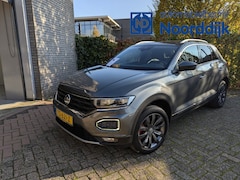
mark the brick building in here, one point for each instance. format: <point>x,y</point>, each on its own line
<point>37,47</point>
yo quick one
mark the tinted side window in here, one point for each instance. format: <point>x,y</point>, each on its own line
<point>190,54</point>
<point>206,54</point>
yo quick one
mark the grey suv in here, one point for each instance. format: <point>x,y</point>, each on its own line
<point>131,100</point>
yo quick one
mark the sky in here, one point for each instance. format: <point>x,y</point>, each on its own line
<point>116,9</point>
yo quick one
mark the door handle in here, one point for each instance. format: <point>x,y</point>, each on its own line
<point>221,68</point>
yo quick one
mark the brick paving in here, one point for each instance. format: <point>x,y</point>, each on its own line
<point>204,144</point>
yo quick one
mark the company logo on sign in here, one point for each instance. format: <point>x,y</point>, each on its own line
<point>141,23</point>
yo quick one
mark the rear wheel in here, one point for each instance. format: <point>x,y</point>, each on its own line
<point>220,97</point>
<point>151,130</point>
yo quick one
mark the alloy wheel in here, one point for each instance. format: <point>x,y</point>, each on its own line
<point>152,131</point>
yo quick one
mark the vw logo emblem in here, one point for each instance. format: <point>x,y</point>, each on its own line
<point>67,99</point>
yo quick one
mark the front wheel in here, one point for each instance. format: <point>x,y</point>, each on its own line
<point>220,97</point>
<point>150,130</point>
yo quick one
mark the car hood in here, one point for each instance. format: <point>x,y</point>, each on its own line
<point>98,78</point>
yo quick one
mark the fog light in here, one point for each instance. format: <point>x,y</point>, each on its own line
<point>110,139</point>
<point>108,124</point>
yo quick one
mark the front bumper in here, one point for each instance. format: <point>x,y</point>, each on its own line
<point>85,129</point>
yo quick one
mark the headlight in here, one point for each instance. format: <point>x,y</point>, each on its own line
<point>113,102</point>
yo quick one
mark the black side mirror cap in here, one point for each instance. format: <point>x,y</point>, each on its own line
<point>187,65</point>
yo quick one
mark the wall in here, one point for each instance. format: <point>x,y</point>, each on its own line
<point>55,42</point>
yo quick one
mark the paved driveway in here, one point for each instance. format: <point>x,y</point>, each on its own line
<point>205,144</point>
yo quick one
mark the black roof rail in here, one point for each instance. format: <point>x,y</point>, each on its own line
<point>193,40</point>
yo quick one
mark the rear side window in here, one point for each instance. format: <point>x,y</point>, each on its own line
<point>206,54</point>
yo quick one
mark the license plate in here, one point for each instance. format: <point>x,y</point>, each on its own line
<point>64,117</point>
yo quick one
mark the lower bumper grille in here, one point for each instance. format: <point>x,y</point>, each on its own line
<point>77,131</point>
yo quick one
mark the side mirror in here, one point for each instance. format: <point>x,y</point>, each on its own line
<point>187,65</point>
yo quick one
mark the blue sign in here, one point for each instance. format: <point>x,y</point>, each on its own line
<point>141,23</point>
<point>217,28</point>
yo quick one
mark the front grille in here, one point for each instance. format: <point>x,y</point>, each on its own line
<point>80,101</point>
<point>77,130</point>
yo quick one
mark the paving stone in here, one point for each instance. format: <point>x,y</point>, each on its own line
<point>142,165</point>
<point>83,178</point>
<point>51,160</point>
<point>113,176</point>
<point>183,175</point>
<point>22,178</point>
<point>7,151</point>
<point>89,163</point>
<point>43,169</point>
<point>33,175</point>
<point>18,164</point>
<point>84,172</point>
<point>69,176</point>
<point>232,158</point>
<point>100,170</point>
<point>75,165</point>
<point>58,167</point>
<point>236,169</point>
<point>141,174</point>
<point>230,175</point>
<point>7,173</point>
<point>114,168</point>
<point>24,170</point>
<point>57,175</point>
<point>93,176</point>
<point>210,176</point>
<point>28,156</point>
<point>155,173</point>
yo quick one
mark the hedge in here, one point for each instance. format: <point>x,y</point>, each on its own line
<point>93,51</point>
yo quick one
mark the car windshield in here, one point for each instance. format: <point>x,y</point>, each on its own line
<point>147,57</point>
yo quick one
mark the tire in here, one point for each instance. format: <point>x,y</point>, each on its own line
<point>150,130</point>
<point>220,97</point>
